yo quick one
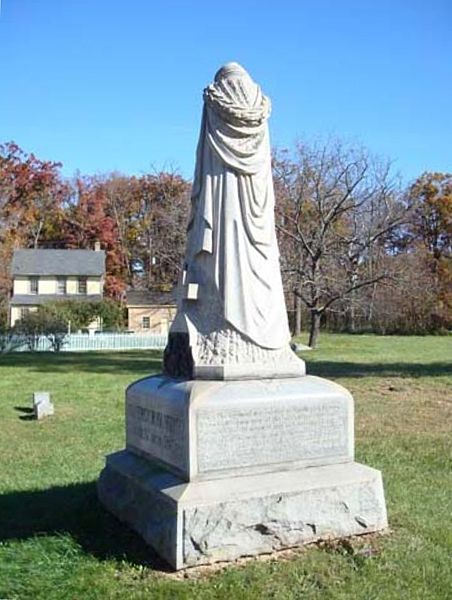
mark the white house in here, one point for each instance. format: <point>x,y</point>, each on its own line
<point>44,275</point>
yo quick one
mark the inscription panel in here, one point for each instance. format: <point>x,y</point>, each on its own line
<point>266,435</point>
<point>157,433</point>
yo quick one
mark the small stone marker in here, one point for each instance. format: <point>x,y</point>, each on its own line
<point>42,405</point>
<point>297,347</point>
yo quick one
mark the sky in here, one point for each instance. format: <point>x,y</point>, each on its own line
<point>116,85</point>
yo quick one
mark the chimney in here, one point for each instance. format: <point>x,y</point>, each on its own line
<point>97,246</point>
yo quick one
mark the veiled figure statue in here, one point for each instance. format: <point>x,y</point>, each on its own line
<point>231,321</point>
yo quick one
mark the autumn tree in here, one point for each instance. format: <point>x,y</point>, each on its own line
<point>161,227</point>
<point>336,205</point>
<point>87,220</point>
<point>31,197</point>
<point>31,193</point>
<point>431,224</point>
<point>137,220</point>
<point>431,236</point>
<point>123,197</point>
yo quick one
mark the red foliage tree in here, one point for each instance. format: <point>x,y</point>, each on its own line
<point>87,221</point>
<point>31,197</point>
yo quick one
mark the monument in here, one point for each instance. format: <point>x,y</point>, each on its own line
<point>234,450</point>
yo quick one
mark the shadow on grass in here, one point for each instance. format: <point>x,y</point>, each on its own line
<point>24,409</point>
<point>75,510</point>
<point>147,362</point>
<point>28,414</point>
<point>394,369</point>
<point>142,362</point>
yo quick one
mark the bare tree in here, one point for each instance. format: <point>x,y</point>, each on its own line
<point>123,196</point>
<point>162,218</point>
<point>336,204</point>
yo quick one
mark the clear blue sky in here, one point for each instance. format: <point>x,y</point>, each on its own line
<point>104,85</point>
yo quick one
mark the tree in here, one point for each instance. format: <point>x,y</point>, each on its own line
<point>87,220</point>
<point>336,206</point>
<point>137,220</point>
<point>123,196</point>
<point>161,227</point>
<point>55,330</point>
<point>29,327</point>
<point>34,325</point>
<point>3,314</point>
<point>140,222</point>
<point>431,236</point>
<point>31,198</point>
<point>78,314</point>
<point>111,313</point>
<point>8,340</point>
<point>431,225</point>
<point>31,191</point>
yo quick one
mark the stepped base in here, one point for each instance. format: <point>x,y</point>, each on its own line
<point>203,522</point>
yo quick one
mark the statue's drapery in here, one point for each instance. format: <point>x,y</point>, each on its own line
<point>232,251</point>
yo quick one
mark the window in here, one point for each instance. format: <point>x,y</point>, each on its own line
<point>24,312</point>
<point>61,285</point>
<point>82,285</point>
<point>34,284</point>
<point>146,322</point>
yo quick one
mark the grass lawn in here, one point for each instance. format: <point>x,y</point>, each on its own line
<point>56,541</point>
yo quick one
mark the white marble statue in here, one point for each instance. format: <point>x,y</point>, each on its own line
<point>260,457</point>
<point>232,319</point>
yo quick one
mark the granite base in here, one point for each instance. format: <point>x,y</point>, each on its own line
<point>200,522</point>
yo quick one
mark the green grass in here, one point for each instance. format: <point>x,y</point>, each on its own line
<point>56,541</point>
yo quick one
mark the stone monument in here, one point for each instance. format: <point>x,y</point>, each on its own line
<point>234,450</point>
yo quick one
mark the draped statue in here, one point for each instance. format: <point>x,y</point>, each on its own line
<point>232,320</point>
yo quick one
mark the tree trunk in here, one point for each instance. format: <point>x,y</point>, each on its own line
<point>352,315</point>
<point>315,328</point>
<point>297,315</point>
<point>370,312</point>
<point>149,261</point>
<point>351,312</point>
<point>37,234</point>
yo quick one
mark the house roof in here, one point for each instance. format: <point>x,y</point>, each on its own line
<point>58,262</point>
<point>38,299</point>
<point>151,297</point>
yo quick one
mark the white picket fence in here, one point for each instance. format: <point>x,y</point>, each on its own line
<point>82,342</point>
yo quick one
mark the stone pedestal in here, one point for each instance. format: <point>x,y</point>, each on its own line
<point>217,470</point>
